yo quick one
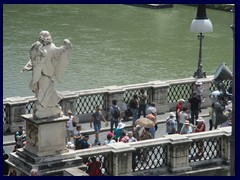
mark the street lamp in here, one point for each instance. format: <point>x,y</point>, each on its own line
<point>200,25</point>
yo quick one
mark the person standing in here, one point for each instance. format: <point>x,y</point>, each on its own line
<point>115,114</point>
<point>20,138</point>
<point>151,108</point>
<point>171,124</point>
<point>133,105</point>
<point>201,127</point>
<point>153,117</point>
<point>199,90</point>
<point>69,126</point>
<point>96,119</point>
<point>179,108</point>
<point>77,137</point>
<point>142,103</point>
<point>182,117</point>
<point>194,107</point>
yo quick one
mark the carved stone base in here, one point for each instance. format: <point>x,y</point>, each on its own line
<point>23,161</point>
<point>45,136</point>
<point>45,149</point>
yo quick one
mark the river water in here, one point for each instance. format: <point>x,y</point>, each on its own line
<point>113,44</point>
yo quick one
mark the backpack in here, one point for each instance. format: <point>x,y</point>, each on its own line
<point>116,112</point>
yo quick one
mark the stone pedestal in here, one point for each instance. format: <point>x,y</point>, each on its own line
<point>45,136</point>
<point>45,149</point>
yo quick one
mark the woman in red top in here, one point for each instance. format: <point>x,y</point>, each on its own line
<point>201,127</point>
<point>179,108</point>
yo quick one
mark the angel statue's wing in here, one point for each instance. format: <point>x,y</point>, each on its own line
<point>64,59</point>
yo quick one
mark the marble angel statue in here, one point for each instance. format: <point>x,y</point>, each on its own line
<point>47,62</point>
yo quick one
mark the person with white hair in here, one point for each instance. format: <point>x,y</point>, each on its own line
<point>171,124</point>
<point>131,138</point>
<point>34,172</point>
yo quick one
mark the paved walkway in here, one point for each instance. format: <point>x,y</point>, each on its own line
<point>9,139</point>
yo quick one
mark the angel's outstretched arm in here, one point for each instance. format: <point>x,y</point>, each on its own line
<point>27,67</point>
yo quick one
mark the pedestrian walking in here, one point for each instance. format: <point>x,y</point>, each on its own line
<point>96,119</point>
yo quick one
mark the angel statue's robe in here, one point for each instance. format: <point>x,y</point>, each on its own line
<point>47,61</point>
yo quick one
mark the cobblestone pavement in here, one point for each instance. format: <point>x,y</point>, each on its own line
<point>86,129</point>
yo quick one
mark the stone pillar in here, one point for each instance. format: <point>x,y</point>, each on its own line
<point>122,159</point>
<point>225,148</point>
<point>178,153</point>
<point>160,96</point>
<point>45,136</point>
<point>113,92</point>
<point>17,107</point>
<point>68,102</point>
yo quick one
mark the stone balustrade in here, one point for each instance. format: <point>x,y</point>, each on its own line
<point>165,94</point>
<point>170,155</point>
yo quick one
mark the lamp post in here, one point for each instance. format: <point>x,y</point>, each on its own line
<point>200,25</point>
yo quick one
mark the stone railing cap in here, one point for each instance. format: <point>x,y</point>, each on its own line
<point>121,147</point>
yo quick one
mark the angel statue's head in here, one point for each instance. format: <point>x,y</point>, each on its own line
<point>44,37</point>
